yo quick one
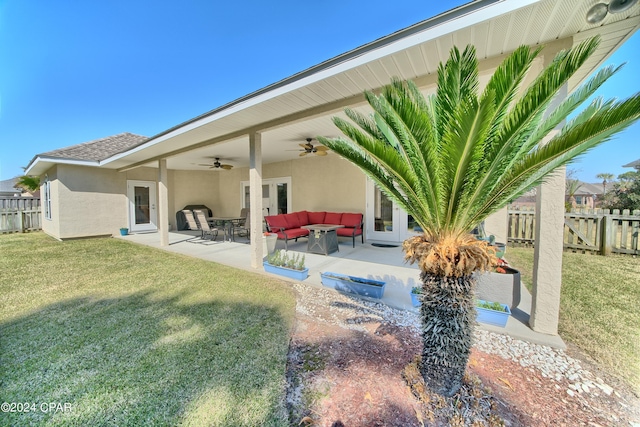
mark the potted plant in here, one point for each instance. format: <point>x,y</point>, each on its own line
<point>291,266</point>
<point>415,291</point>
<point>492,313</point>
<point>124,231</point>
<point>353,284</point>
<point>502,284</point>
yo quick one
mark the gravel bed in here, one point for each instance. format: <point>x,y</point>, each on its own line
<point>353,313</point>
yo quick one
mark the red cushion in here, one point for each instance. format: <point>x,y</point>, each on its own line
<point>316,217</point>
<point>276,221</point>
<point>332,218</point>
<point>351,219</point>
<point>348,231</point>
<point>296,232</point>
<point>303,217</point>
<point>292,220</point>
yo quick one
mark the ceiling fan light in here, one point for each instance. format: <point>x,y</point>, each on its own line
<point>597,13</point>
<point>617,6</point>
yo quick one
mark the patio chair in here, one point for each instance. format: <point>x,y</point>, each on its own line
<point>203,225</point>
<point>242,229</point>
<point>190,220</point>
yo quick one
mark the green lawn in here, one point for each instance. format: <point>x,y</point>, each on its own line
<point>130,335</point>
<point>599,307</point>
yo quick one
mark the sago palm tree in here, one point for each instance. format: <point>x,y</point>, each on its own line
<point>453,158</point>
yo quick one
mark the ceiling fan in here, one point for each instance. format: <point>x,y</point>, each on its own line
<point>319,150</point>
<point>217,165</point>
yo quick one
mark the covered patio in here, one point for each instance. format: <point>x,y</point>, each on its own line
<point>259,136</point>
<point>378,263</point>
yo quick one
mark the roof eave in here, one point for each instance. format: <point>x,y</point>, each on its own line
<point>40,164</point>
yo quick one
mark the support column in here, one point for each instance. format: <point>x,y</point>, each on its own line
<point>255,198</point>
<point>547,263</point>
<point>163,202</point>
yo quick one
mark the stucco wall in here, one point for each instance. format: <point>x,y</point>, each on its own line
<point>317,183</point>
<point>89,201</point>
<point>327,183</point>
<point>193,188</point>
<point>92,201</point>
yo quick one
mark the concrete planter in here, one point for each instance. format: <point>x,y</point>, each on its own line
<point>499,287</point>
<point>286,272</point>
<point>353,284</point>
<point>494,317</point>
<point>269,243</point>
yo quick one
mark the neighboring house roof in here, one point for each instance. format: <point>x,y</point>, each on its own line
<point>98,149</point>
<point>589,189</point>
<point>635,164</point>
<point>7,187</point>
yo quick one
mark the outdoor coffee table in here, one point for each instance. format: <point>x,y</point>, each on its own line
<point>322,238</point>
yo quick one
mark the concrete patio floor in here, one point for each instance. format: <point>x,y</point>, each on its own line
<point>365,260</point>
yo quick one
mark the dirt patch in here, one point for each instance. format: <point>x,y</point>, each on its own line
<point>346,366</point>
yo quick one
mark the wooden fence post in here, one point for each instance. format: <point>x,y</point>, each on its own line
<point>20,221</point>
<point>607,235</point>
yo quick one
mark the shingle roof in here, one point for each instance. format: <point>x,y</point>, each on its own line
<point>635,164</point>
<point>8,186</point>
<point>590,188</point>
<point>98,149</point>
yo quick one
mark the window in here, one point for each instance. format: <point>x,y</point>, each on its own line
<point>47,197</point>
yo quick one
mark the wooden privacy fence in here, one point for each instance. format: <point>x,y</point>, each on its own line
<point>598,230</point>
<point>19,214</point>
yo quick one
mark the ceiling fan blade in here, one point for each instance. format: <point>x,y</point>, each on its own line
<point>304,153</point>
<point>321,153</point>
<point>305,146</point>
<point>200,164</point>
<point>321,148</point>
<point>226,167</point>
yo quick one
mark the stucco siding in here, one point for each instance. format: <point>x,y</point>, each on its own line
<point>327,184</point>
<point>92,201</point>
<point>193,188</point>
<point>317,183</point>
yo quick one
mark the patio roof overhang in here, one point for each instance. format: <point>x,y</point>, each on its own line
<point>302,105</point>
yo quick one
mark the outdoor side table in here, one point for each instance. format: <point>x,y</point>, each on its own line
<point>322,238</point>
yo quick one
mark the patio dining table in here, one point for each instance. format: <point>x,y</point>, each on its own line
<point>227,223</point>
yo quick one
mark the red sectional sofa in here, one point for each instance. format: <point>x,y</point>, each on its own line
<point>288,226</point>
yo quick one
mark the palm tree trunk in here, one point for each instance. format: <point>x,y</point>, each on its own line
<point>448,317</point>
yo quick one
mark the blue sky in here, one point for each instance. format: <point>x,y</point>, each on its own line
<point>74,71</point>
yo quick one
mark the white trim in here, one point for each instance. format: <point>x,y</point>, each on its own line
<point>56,160</point>
<point>152,225</point>
<point>46,190</point>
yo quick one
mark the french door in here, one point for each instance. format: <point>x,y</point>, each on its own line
<point>276,195</point>
<point>383,216</point>
<point>385,220</point>
<point>143,215</point>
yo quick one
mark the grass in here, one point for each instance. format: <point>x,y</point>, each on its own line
<point>130,335</point>
<point>599,307</point>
